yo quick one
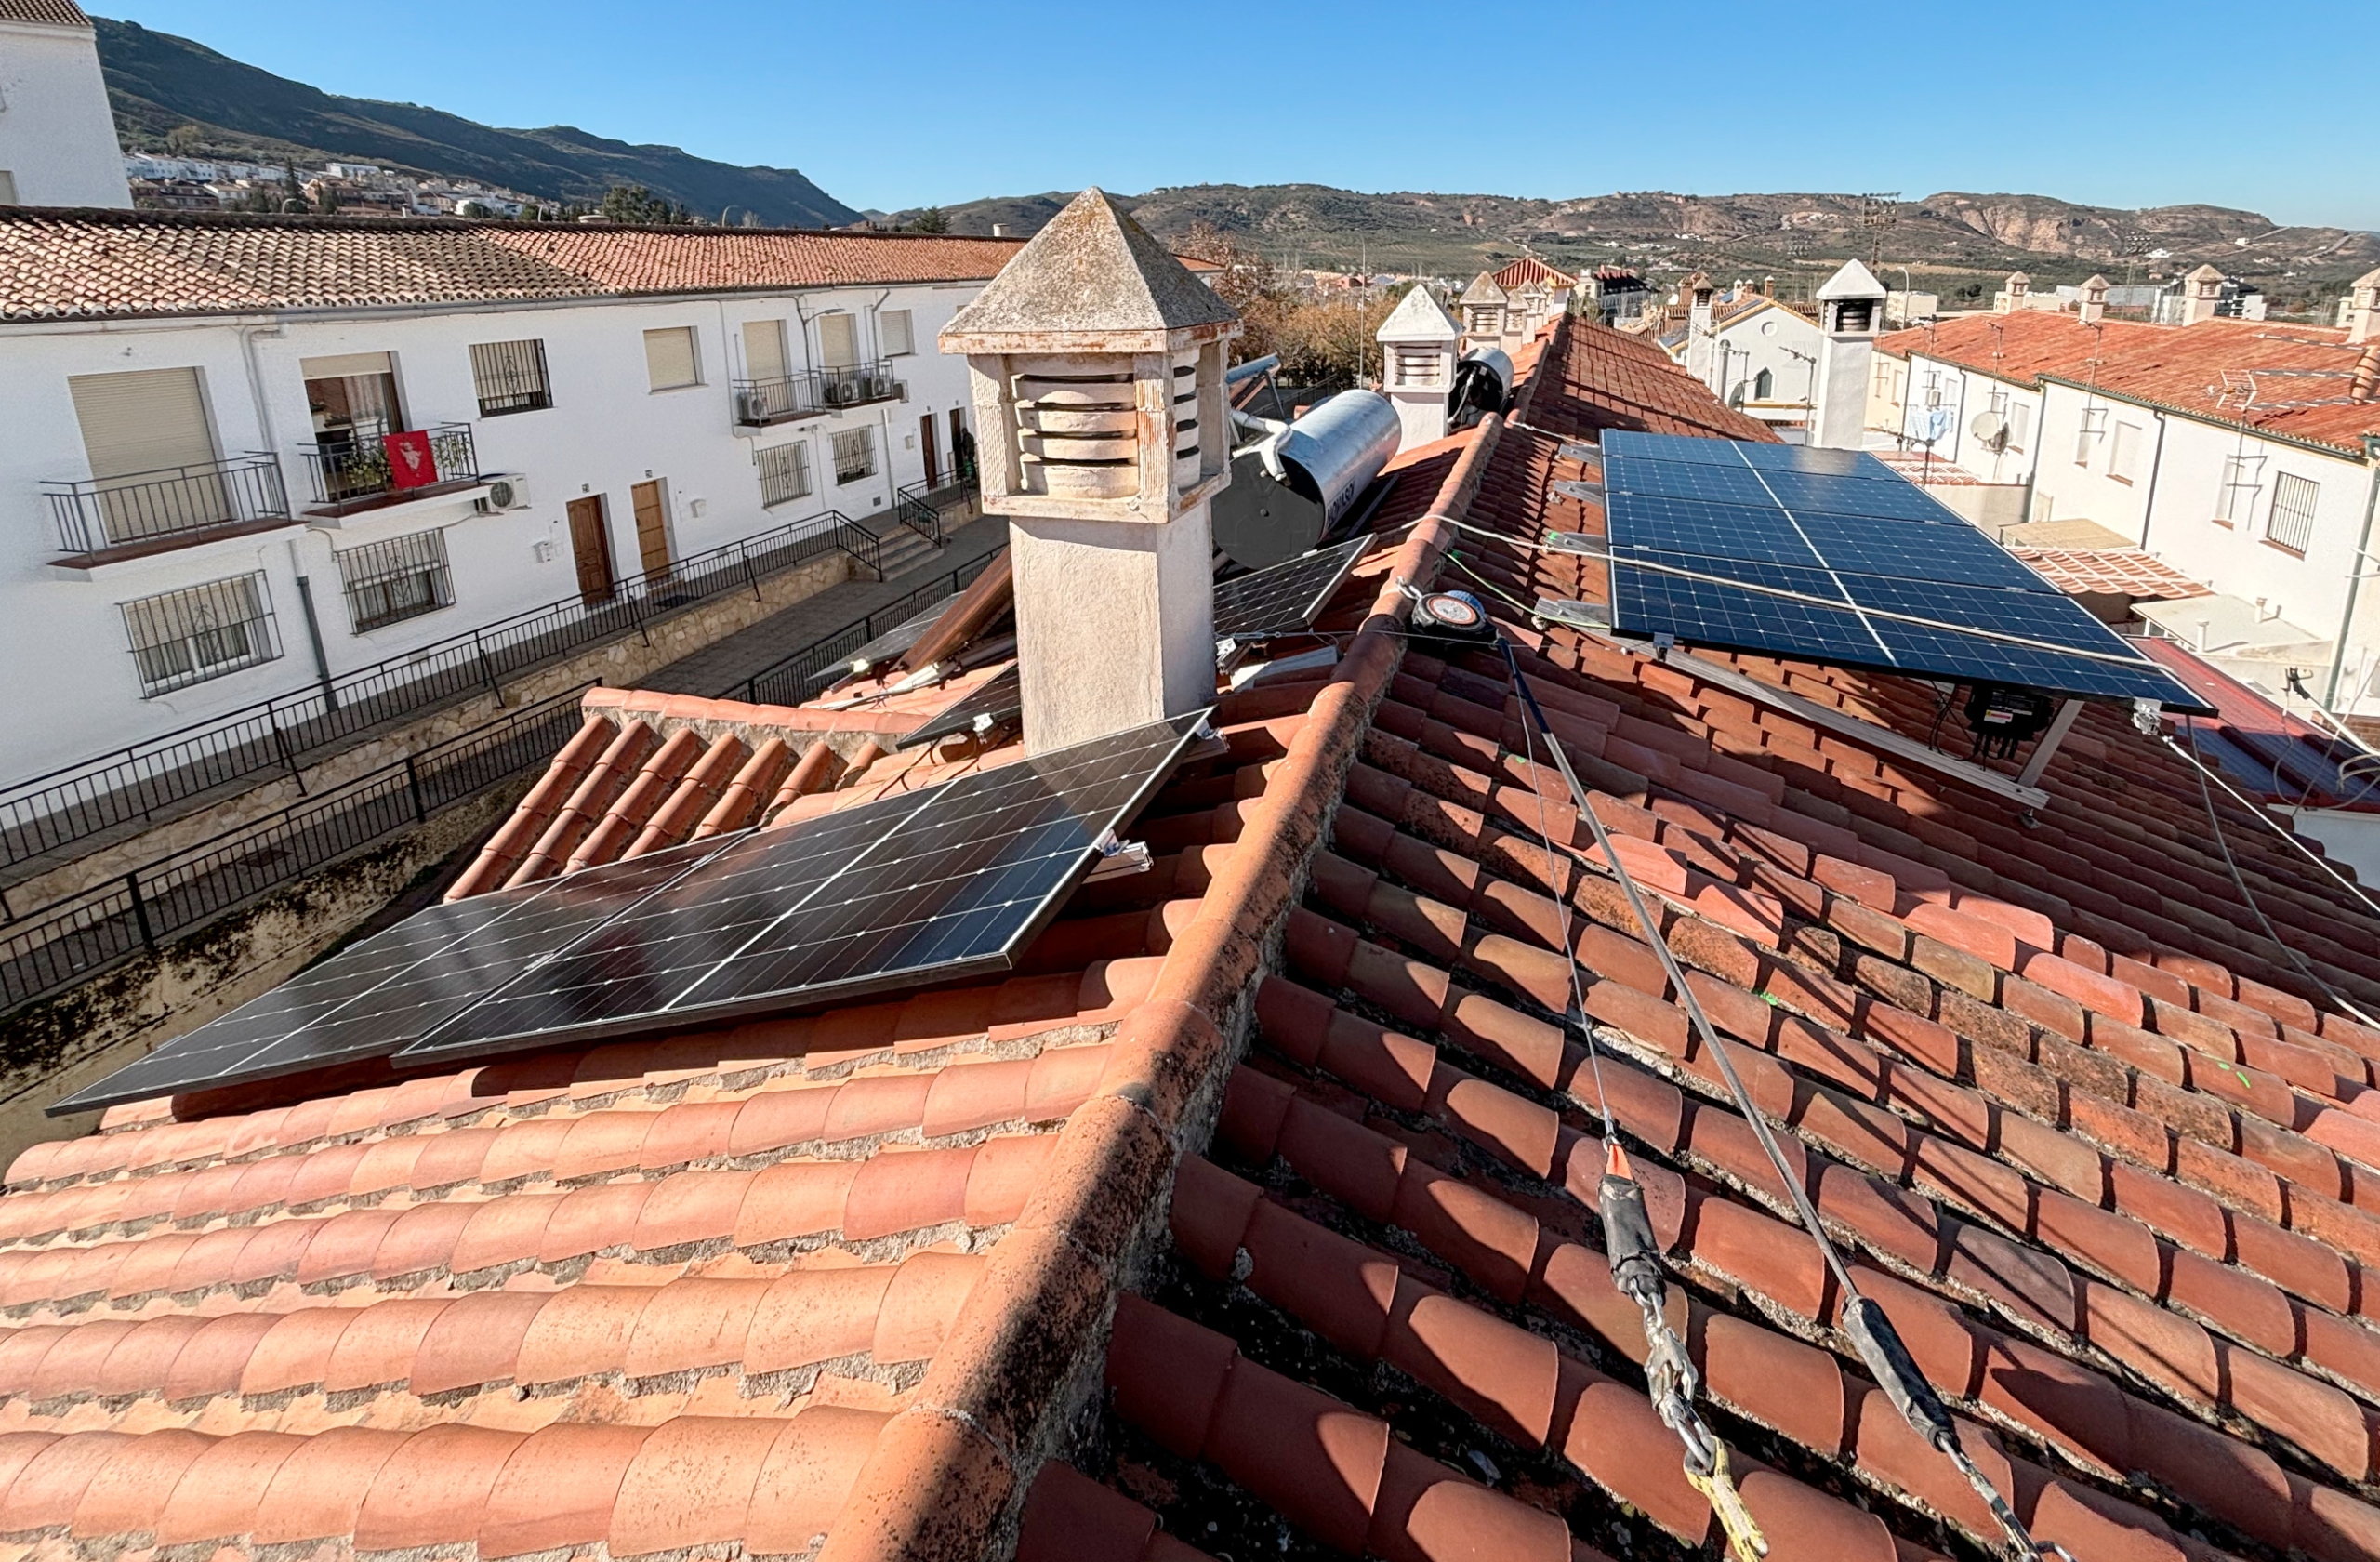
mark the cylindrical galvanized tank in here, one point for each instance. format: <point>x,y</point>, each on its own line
<point>1483,383</point>
<point>1331,454</point>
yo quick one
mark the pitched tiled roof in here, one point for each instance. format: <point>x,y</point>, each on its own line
<point>1528,269</point>
<point>2295,380</point>
<point>1594,378</point>
<point>2118,571</point>
<point>60,13</point>
<point>1278,1163</point>
<point>59,264</point>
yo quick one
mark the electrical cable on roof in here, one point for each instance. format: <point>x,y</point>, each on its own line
<point>2240,883</point>
<point>1866,1324</point>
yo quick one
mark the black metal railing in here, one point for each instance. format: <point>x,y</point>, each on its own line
<point>800,676</point>
<point>170,504</point>
<point>70,939</point>
<point>811,392</point>
<point>123,786</point>
<point>356,473</point>
<point>911,508</point>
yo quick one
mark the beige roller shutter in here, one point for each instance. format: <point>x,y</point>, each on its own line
<point>346,365</point>
<point>765,350</point>
<point>669,358</point>
<point>142,420</point>
<point>839,339</point>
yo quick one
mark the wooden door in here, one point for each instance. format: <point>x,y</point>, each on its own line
<point>652,528</point>
<point>926,449</point>
<point>590,545</point>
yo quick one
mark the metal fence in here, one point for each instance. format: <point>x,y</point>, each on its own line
<point>80,801</point>
<point>802,675</point>
<point>70,939</point>
<point>355,474</point>
<point>170,502</point>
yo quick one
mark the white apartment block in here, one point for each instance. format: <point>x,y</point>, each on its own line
<point>1759,356</point>
<point>58,145</point>
<point>204,492</point>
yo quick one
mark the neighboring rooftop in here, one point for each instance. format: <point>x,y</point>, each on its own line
<point>1529,269</point>
<point>1255,1211</point>
<point>2308,388</point>
<point>57,13</point>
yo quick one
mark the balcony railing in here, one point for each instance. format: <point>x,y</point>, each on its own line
<point>168,508</point>
<point>353,475</point>
<point>814,392</point>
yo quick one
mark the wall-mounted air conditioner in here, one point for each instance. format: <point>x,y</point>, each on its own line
<point>505,491</point>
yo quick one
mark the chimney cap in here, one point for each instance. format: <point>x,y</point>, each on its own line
<point>1418,317</point>
<point>2094,280</point>
<point>1854,281</point>
<point>2202,271</point>
<point>1484,289</point>
<point>1092,280</point>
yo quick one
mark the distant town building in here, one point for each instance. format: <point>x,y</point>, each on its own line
<point>58,145</point>
<point>1506,308</point>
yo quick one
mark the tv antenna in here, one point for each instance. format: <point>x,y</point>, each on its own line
<point>1876,215</point>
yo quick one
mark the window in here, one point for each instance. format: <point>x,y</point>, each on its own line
<point>2235,503</point>
<point>401,577</point>
<point>669,363</point>
<point>189,636</point>
<point>1763,385</point>
<point>894,334</point>
<point>2087,430</point>
<point>2020,424</point>
<point>854,455</point>
<point>839,340</point>
<point>2291,526</point>
<point>1887,380</point>
<point>2124,456</point>
<point>784,471</point>
<point>510,377</point>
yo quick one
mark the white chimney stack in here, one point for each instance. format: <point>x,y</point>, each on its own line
<point>2364,308</point>
<point>1699,343</point>
<point>1850,306</point>
<point>1417,352</point>
<point>1097,361</point>
<point>2201,292</point>
<point>2095,300</point>
<point>2016,294</point>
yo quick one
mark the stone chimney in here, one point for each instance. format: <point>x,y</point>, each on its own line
<point>1697,292</point>
<point>2016,294</point>
<point>2201,293</point>
<point>2364,308</point>
<point>1417,354</point>
<point>1851,305</point>
<point>1097,362</point>
<point>2095,300</point>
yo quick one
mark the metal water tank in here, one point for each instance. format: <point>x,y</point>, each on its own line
<point>1289,490</point>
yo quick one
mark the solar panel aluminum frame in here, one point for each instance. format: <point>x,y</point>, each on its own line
<point>1192,734</point>
<point>1342,557</point>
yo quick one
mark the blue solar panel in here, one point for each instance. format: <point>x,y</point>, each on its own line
<point>1830,555</point>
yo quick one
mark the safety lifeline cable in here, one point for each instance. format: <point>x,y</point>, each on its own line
<point>1871,1330</point>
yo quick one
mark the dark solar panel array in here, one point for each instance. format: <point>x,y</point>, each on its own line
<point>994,703</point>
<point>936,884</point>
<point>1285,598</point>
<point>1825,555</point>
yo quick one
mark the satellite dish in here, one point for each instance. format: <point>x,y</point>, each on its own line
<point>1990,428</point>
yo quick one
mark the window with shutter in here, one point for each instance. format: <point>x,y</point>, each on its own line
<point>2124,454</point>
<point>839,340</point>
<point>2291,525</point>
<point>765,350</point>
<point>142,421</point>
<point>669,362</point>
<point>893,331</point>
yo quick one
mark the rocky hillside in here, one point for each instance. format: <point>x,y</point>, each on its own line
<point>158,83</point>
<point>1950,237</point>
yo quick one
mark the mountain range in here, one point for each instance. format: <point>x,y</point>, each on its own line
<point>158,83</point>
<point>1955,243</point>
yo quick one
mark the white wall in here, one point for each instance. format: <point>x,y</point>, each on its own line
<point>74,690</point>
<point>1967,393</point>
<point>57,138</point>
<point>1767,338</point>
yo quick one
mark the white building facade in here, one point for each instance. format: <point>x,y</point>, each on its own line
<point>1759,356</point>
<point>58,145</point>
<point>170,480</point>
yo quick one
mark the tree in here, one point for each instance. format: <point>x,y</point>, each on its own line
<point>1246,281</point>
<point>184,141</point>
<point>634,202</point>
<point>930,220</point>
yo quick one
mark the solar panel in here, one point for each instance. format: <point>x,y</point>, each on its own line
<point>370,1000</point>
<point>1830,555</point>
<point>1285,597</point>
<point>945,883</point>
<point>995,702</point>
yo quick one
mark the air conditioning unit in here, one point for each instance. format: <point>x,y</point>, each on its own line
<point>505,491</point>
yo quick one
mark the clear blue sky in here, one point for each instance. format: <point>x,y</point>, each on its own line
<point>895,104</point>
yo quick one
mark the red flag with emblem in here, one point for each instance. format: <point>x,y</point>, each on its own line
<point>411,464</point>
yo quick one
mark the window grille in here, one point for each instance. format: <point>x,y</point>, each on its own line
<point>401,577</point>
<point>785,472</point>
<point>2291,526</point>
<point>854,455</point>
<point>510,377</point>
<point>181,638</point>
<point>893,332</point>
